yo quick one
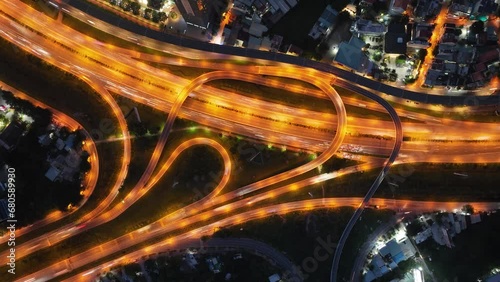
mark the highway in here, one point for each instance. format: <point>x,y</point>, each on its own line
<point>181,45</point>
<point>60,234</point>
<point>277,131</point>
<point>171,242</point>
<point>470,130</point>
<point>394,154</point>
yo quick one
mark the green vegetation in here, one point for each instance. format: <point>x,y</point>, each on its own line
<point>182,71</point>
<point>297,23</point>
<point>37,193</point>
<point>480,116</point>
<point>286,97</point>
<point>422,181</point>
<point>475,252</point>
<point>170,268</point>
<point>305,232</point>
<point>165,199</point>
<point>47,84</point>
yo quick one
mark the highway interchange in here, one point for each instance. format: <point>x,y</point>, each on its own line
<point>116,69</point>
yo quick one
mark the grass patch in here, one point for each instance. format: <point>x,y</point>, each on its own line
<point>48,84</point>
<point>429,182</point>
<point>280,96</point>
<point>184,72</point>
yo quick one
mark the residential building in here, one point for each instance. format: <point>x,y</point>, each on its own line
<point>398,7</point>
<point>325,23</point>
<point>351,54</point>
<point>201,13</point>
<point>274,278</point>
<point>11,135</point>
<point>396,39</point>
<point>367,27</point>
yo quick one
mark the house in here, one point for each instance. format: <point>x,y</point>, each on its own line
<point>60,144</point>
<point>214,265</point>
<point>274,278</point>
<point>69,142</point>
<point>351,55</point>
<point>294,50</point>
<point>484,7</point>
<point>423,235</point>
<point>396,39</point>
<point>379,267</point>
<point>254,42</point>
<point>475,218</point>
<point>494,278</point>
<point>256,28</point>
<point>52,173</point>
<point>392,250</point>
<point>200,13</point>
<point>426,8</point>
<point>459,10</point>
<point>398,7</point>
<point>367,27</point>
<point>10,135</point>
<point>325,23</point>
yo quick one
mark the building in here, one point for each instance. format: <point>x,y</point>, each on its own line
<point>367,27</point>
<point>10,135</point>
<point>53,173</point>
<point>396,39</point>
<point>398,7</point>
<point>418,275</point>
<point>426,8</point>
<point>274,278</point>
<point>392,250</point>
<point>475,218</point>
<point>214,265</point>
<point>351,54</point>
<point>423,235</point>
<point>494,278</point>
<point>325,23</point>
<point>201,13</point>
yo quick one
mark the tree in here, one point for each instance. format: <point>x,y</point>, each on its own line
<point>125,5</point>
<point>477,27</point>
<point>422,53</point>
<point>156,16</point>
<point>155,4</point>
<point>135,8</point>
<point>468,209</point>
<point>162,16</point>
<point>380,6</point>
<point>147,13</point>
<point>84,162</point>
